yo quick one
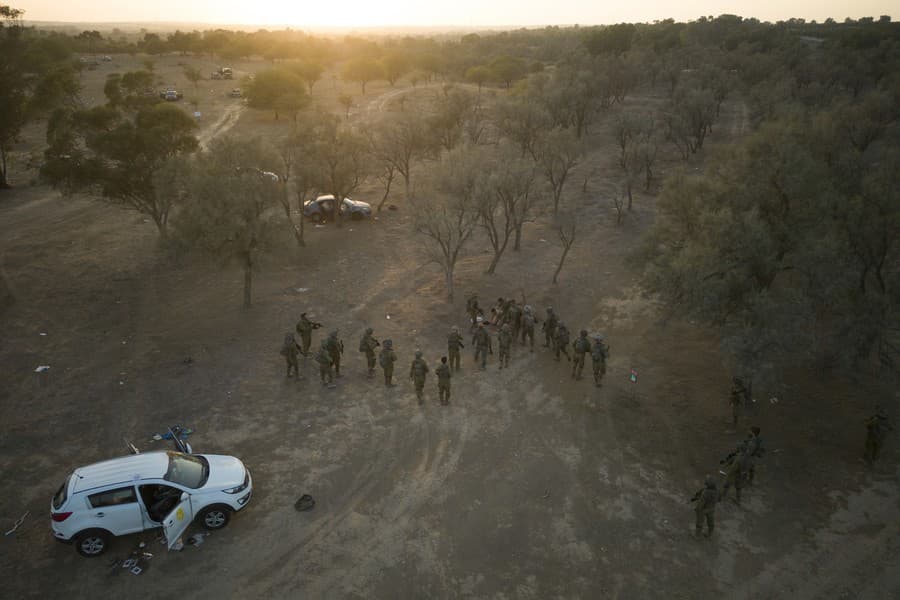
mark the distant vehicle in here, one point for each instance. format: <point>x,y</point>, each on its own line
<point>321,209</point>
<point>226,72</point>
<point>171,95</point>
<point>215,75</point>
<point>167,490</point>
<point>236,93</point>
<point>106,58</point>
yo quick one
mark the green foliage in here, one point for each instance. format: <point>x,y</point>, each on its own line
<point>227,209</point>
<point>612,39</point>
<point>478,75</point>
<point>394,65</point>
<point>508,69</point>
<point>362,70</point>
<point>116,156</point>
<point>280,90</point>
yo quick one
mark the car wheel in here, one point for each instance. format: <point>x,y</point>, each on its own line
<point>92,542</point>
<point>317,218</point>
<point>215,517</point>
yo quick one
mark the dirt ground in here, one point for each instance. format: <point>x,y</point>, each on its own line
<point>530,485</point>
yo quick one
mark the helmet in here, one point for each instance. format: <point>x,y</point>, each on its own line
<point>598,337</point>
<point>369,330</point>
<point>334,333</point>
<point>454,329</point>
<point>584,333</point>
<point>418,354</point>
<point>527,308</point>
<point>388,343</point>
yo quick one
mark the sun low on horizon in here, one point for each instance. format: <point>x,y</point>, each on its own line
<point>471,13</point>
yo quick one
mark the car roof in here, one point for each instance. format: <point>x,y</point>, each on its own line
<point>126,469</point>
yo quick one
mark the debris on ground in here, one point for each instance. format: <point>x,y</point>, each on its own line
<point>18,523</point>
<point>42,368</point>
<point>305,502</point>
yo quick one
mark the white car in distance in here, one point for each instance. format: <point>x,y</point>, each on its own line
<point>131,494</point>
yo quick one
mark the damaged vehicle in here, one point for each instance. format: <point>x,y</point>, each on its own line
<point>131,494</point>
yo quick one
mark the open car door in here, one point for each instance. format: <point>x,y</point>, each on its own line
<point>178,520</point>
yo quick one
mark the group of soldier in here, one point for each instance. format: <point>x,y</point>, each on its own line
<point>739,469</point>
<point>515,323</point>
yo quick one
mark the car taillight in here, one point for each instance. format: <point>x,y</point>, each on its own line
<point>60,517</point>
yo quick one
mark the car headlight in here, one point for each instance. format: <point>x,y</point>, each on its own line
<point>240,488</point>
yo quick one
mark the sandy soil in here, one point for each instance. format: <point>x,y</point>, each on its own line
<point>530,485</point>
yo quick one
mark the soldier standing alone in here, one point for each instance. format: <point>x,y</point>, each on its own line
<point>367,344</point>
<point>599,354</point>
<point>877,427</point>
<point>454,345</point>
<point>387,358</point>
<point>417,372</point>
<point>335,349</point>
<point>443,375</point>
<point>504,343</point>
<point>581,347</point>
<point>528,321</point>
<point>482,342</point>
<point>706,500</point>
<point>737,398</point>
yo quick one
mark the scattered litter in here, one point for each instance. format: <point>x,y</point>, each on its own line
<point>773,400</point>
<point>196,539</point>
<point>388,317</point>
<point>722,472</point>
<point>18,522</point>
<point>392,207</point>
<point>136,570</point>
<point>351,229</point>
<point>542,240</point>
<point>546,494</point>
<point>128,563</point>
<point>143,545</point>
<point>42,368</point>
<point>121,383</point>
<point>301,290</point>
<point>188,360</point>
<point>319,226</point>
<point>124,342</point>
<point>305,502</point>
<point>42,333</point>
<point>178,547</point>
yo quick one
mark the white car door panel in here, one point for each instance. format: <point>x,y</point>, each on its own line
<point>177,521</point>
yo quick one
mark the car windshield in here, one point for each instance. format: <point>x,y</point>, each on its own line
<point>187,470</point>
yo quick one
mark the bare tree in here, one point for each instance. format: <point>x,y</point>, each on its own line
<point>448,220</point>
<point>556,153</point>
<point>566,228</point>
<point>299,174</point>
<point>340,160</point>
<point>400,139</point>
<point>618,200</point>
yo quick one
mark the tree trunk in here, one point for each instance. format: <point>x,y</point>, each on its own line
<point>4,182</point>
<point>387,191</point>
<point>286,205</point>
<point>518,239</point>
<point>562,259</point>
<point>628,187</point>
<point>448,274</point>
<point>248,279</point>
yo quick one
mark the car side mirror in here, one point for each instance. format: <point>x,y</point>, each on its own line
<point>184,496</point>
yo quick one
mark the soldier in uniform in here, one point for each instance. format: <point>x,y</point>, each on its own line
<point>367,344</point>
<point>736,470</point>
<point>387,358</point>
<point>528,321</point>
<point>581,347</point>
<point>443,376</point>
<point>877,427</point>
<point>599,354</point>
<point>504,343</point>
<point>756,450</point>
<point>454,344</point>
<point>738,395</point>
<point>473,310</point>
<point>514,318</point>
<point>482,342</point>
<point>417,372</point>
<point>290,350</point>
<point>305,328</point>
<point>549,327</point>
<point>335,349</point>
<point>561,341</point>
<point>706,500</point>
<point>323,357</point>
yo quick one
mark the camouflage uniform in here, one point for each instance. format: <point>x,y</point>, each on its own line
<point>599,354</point>
<point>738,395</point>
<point>581,347</point>
<point>736,471</point>
<point>323,357</point>
<point>473,310</point>
<point>706,506</point>
<point>756,450</point>
<point>561,341</point>
<point>335,348</point>
<point>482,342</point>
<point>367,344</point>
<point>877,427</point>
<point>454,344</point>
<point>528,322</point>
<point>504,343</point>
<point>417,371</point>
<point>305,328</point>
<point>514,318</point>
<point>443,376</point>
<point>387,358</point>
<point>290,351</point>
<point>550,324</point>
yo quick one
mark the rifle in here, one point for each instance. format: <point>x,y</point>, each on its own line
<point>728,458</point>
<point>315,325</point>
<point>696,496</point>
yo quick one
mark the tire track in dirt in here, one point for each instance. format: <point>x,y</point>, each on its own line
<point>221,126</point>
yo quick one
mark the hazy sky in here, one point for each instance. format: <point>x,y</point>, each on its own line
<point>361,13</point>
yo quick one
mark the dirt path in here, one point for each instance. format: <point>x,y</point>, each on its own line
<point>221,125</point>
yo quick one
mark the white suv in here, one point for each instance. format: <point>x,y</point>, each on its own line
<point>145,491</point>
